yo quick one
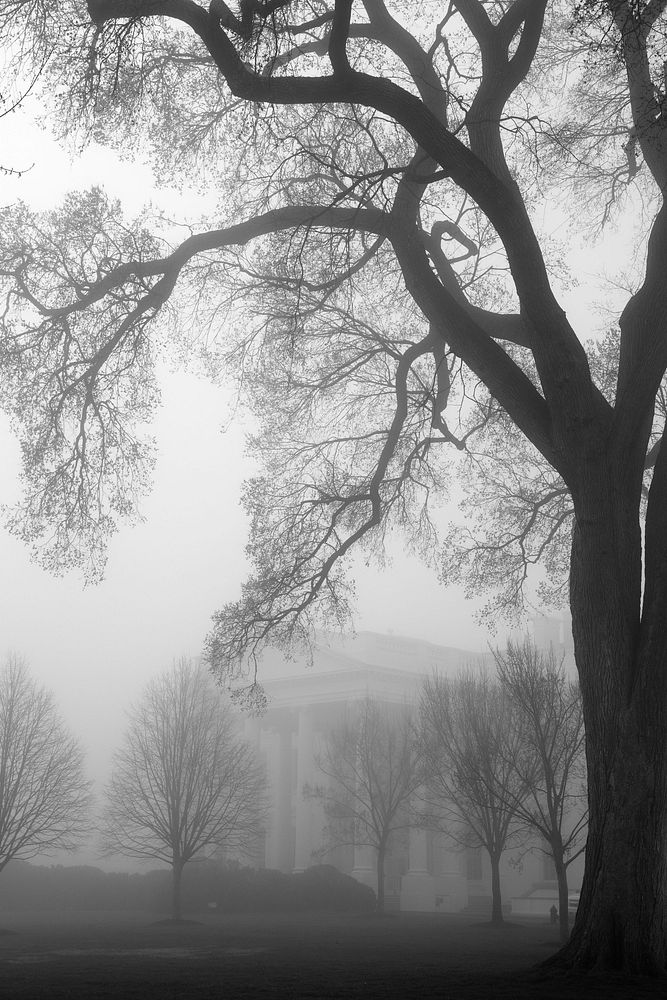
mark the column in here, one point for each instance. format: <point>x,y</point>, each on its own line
<point>451,888</point>
<point>279,760</point>
<point>252,731</point>
<point>365,865</point>
<point>418,851</point>
<point>418,884</point>
<point>365,870</point>
<point>304,846</point>
<point>255,849</point>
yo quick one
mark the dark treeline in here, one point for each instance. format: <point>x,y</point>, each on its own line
<point>205,886</point>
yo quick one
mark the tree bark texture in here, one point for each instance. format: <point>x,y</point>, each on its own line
<point>621,922</point>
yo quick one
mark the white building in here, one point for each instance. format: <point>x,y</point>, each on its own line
<point>306,701</point>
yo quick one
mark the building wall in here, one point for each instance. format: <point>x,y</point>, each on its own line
<point>425,870</point>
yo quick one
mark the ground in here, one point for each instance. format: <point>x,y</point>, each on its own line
<point>311,957</point>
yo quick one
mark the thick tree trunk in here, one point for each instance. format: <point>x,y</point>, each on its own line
<point>622,918</point>
<point>176,873</point>
<point>496,897</point>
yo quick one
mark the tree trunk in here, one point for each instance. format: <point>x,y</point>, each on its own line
<point>621,923</point>
<point>496,898</point>
<point>621,919</point>
<point>176,873</point>
<point>381,852</point>
<point>561,877</point>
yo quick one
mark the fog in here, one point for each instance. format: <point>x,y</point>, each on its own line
<point>96,647</point>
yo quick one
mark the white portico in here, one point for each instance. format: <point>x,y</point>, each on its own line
<point>308,700</point>
<point>425,871</point>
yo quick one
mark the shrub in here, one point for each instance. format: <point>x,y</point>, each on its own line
<point>233,889</point>
<point>322,887</point>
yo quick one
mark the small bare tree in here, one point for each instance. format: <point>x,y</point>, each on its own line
<point>44,795</point>
<point>469,745</point>
<point>373,768</point>
<point>551,764</point>
<point>183,780</point>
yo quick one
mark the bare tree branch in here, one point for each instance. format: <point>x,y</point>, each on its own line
<point>183,782</point>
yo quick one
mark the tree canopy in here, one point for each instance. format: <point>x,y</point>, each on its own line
<point>183,782</point>
<point>372,772</point>
<point>551,761</point>
<point>44,794</point>
<point>376,279</point>
<point>470,744</point>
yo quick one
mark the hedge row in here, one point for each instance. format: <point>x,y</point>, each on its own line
<point>205,886</point>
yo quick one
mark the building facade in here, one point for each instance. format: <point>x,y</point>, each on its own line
<point>425,871</point>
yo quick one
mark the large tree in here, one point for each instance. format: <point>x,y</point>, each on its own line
<point>44,794</point>
<point>387,180</point>
<point>183,782</point>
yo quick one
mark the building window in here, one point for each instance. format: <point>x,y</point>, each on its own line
<point>474,864</point>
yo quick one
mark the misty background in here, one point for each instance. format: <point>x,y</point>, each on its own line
<point>97,646</point>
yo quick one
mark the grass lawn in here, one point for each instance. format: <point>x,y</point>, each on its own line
<point>96,955</point>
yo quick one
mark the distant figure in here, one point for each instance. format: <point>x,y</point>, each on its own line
<point>553,915</point>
